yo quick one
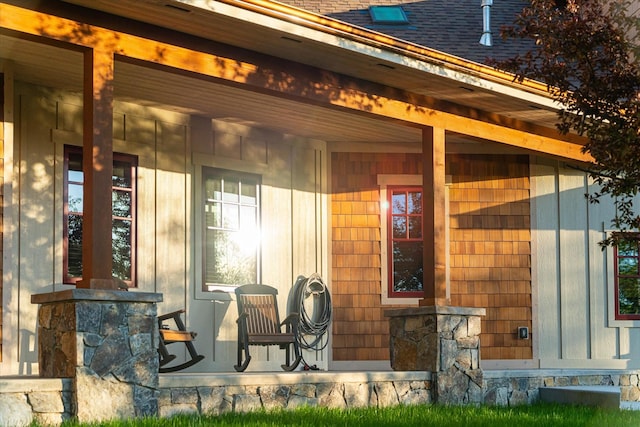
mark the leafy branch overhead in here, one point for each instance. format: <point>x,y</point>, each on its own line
<point>586,52</point>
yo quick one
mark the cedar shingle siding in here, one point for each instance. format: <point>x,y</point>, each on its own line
<point>489,244</point>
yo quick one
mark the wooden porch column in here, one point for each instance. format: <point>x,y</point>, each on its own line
<point>434,234</point>
<point>97,167</point>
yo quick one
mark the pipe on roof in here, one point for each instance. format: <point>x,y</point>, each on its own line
<point>485,40</point>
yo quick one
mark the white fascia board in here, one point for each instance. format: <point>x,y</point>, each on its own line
<point>371,50</point>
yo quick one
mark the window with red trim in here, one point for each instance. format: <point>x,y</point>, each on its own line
<point>627,277</point>
<point>123,196</point>
<point>405,241</point>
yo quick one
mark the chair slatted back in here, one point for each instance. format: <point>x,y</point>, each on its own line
<point>262,314</point>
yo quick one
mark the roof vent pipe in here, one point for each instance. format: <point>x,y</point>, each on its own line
<point>486,23</point>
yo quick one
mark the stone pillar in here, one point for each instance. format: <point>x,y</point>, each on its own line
<point>107,342</point>
<point>443,340</point>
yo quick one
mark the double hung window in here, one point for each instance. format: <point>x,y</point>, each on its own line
<point>123,231</point>
<point>231,231</point>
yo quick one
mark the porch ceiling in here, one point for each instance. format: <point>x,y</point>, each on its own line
<point>47,65</point>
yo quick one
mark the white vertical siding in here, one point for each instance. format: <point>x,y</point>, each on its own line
<point>573,277</point>
<point>292,209</point>
<point>545,223</point>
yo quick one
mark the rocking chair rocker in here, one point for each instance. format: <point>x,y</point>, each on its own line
<point>170,336</point>
<point>259,324</point>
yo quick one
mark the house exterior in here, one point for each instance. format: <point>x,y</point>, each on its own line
<point>186,147</point>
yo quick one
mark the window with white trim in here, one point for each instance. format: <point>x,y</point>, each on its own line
<point>392,293</point>
<point>230,229</point>
<point>404,242</point>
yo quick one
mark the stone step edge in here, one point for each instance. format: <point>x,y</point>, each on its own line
<point>600,396</point>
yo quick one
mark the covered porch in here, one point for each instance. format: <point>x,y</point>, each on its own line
<point>236,86</point>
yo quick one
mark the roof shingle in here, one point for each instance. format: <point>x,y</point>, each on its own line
<point>450,26</point>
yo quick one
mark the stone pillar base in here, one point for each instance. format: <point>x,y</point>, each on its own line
<point>443,340</point>
<point>107,342</point>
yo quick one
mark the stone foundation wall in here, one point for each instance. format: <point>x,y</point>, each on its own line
<point>238,393</point>
<point>45,401</point>
<point>49,401</point>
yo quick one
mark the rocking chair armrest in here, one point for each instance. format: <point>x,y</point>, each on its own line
<point>291,319</point>
<point>241,317</point>
<point>291,323</point>
<point>171,315</point>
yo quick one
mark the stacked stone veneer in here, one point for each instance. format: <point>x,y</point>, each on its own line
<point>444,341</point>
<point>24,400</point>
<point>48,401</point>
<point>106,342</point>
<point>220,393</point>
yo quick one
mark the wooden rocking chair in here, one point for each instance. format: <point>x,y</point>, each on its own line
<point>170,336</point>
<point>259,324</point>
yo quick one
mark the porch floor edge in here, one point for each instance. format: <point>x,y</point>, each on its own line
<point>171,380</point>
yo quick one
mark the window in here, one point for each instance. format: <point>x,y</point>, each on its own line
<point>404,240</point>
<point>123,198</point>
<point>627,278</point>
<point>231,232</point>
<point>388,15</point>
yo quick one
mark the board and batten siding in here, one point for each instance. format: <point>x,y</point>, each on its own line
<point>171,147</point>
<point>293,230</point>
<point>573,276</point>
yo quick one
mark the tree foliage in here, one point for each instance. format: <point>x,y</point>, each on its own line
<point>586,53</point>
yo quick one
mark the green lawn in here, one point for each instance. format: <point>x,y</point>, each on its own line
<point>539,415</point>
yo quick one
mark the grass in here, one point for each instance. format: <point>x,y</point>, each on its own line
<point>538,415</point>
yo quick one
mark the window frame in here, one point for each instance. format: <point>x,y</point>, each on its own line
<point>390,215</point>
<point>389,180</point>
<point>206,290</point>
<point>132,161</point>
<point>617,276</point>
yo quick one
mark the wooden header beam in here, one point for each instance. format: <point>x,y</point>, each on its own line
<point>294,81</point>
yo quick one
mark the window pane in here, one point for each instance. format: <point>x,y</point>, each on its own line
<point>231,191</point>
<point>121,203</point>
<point>628,248</point>
<point>74,174</point>
<point>121,242</point>
<point>399,203</point>
<point>249,194</point>
<point>415,227</point>
<point>231,217</point>
<point>629,295</point>
<point>415,202</point>
<point>74,248</point>
<point>628,266</point>
<point>226,262</point>
<point>407,266</point>
<point>213,214</point>
<point>213,188</point>
<point>75,197</point>
<point>248,219</point>
<point>399,227</point>
<point>121,174</point>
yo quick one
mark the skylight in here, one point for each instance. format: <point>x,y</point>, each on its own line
<point>388,15</point>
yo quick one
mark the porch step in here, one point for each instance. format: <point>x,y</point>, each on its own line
<point>601,396</point>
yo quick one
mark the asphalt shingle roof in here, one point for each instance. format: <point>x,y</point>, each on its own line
<point>451,26</point>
